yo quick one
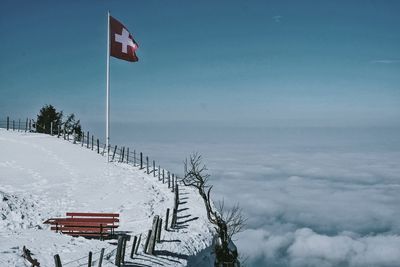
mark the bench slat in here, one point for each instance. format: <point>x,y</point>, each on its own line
<point>99,220</point>
<point>88,224</point>
<point>87,234</point>
<point>80,229</point>
<point>92,214</point>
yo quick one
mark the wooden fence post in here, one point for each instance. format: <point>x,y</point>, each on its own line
<point>98,146</point>
<point>159,227</point>
<point>163,176</point>
<point>127,155</point>
<point>30,125</point>
<point>138,243</point>
<point>57,260</point>
<point>146,244</point>
<point>173,182</point>
<point>13,125</point>
<point>64,131</point>
<point>159,174</point>
<point>8,123</point>
<point>169,181</point>
<point>173,221</point>
<point>123,250</point>
<point>19,125</point>
<point>87,137</point>
<point>119,251</point>
<point>147,164</point>
<point>141,160</point>
<point>176,196</point>
<point>92,141</point>
<point>133,246</point>
<point>134,157</point>
<point>154,168</point>
<point>115,149</point>
<point>90,259</point>
<point>26,125</point>
<point>121,157</point>
<point>166,220</point>
<point>101,257</point>
<point>152,243</point>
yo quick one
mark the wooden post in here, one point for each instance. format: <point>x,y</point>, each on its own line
<point>127,155</point>
<point>152,242</point>
<point>147,242</point>
<point>176,196</point>
<point>141,160</point>
<point>119,251</point>
<point>123,250</point>
<point>159,227</point>
<point>98,146</point>
<point>30,125</point>
<point>134,157</point>
<point>138,243</point>
<point>13,125</point>
<point>173,218</point>
<point>101,257</point>
<point>173,179</point>
<point>169,181</point>
<point>154,168</point>
<point>87,137</point>
<point>147,164</point>
<point>57,260</point>
<point>51,128</point>
<point>64,131</point>
<point>133,246</point>
<point>163,176</point>
<point>19,125</point>
<point>26,125</point>
<point>122,155</point>
<point>115,149</point>
<point>8,123</point>
<point>90,259</point>
<point>166,220</point>
<point>159,174</point>
<point>92,141</point>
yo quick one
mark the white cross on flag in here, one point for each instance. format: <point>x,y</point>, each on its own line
<point>122,44</point>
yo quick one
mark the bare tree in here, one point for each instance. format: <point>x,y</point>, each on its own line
<point>227,222</point>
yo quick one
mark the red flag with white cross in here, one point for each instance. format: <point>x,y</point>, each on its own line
<point>122,44</point>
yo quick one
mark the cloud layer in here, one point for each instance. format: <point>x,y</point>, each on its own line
<point>313,197</point>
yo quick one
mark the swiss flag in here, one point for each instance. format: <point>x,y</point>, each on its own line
<point>122,44</point>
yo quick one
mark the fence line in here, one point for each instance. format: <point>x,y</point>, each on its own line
<point>121,155</point>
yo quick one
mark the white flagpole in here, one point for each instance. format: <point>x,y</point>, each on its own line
<point>108,88</point>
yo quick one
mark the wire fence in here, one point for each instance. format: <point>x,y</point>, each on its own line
<point>115,153</point>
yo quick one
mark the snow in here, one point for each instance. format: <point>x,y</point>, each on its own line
<point>43,176</point>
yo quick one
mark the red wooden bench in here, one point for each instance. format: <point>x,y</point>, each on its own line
<point>87,224</point>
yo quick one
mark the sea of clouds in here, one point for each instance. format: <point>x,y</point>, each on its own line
<point>313,196</point>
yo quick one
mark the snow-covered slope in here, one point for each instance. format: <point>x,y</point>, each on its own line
<point>42,177</point>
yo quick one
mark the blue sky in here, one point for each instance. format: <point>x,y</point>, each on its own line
<point>271,63</point>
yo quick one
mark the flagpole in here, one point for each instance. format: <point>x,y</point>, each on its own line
<point>108,88</point>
